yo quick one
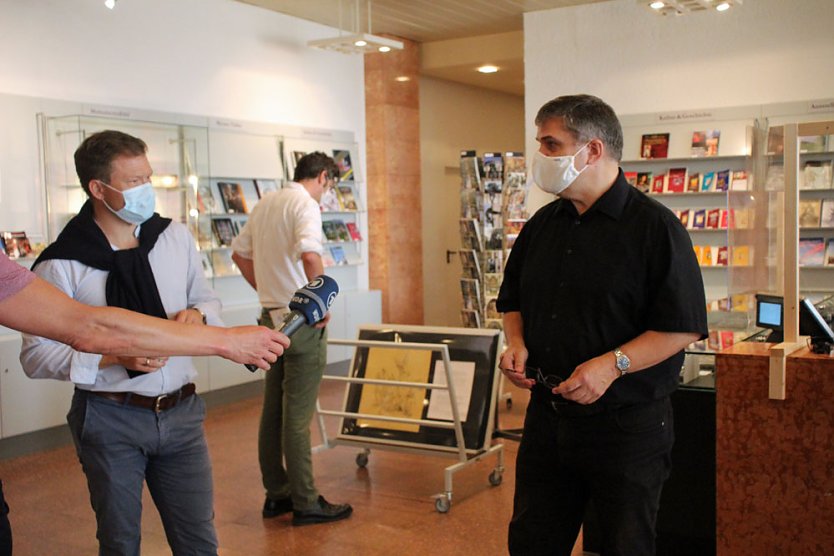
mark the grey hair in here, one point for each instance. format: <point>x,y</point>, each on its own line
<point>586,117</point>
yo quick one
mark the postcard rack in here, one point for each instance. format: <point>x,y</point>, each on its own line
<point>427,435</point>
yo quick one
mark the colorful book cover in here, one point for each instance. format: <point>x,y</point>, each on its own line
<point>810,212</point>
<point>741,255</point>
<point>684,217</point>
<point>722,181</point>
<point>341,231</point>
<point>347,198</point>
<point>699,252</point>
<point>699,219</point>
<point>738,181</point>
<point>677,180</point>
<point>329,229</point>
<point>827,213</point>
<point>232,196</point>
<point>338,253</point>
<point>655,145</point>
<point>817,174</point>
<point>713,219</point>
<point>708,183</point>
<point>811,251</point>
<point>724,218</point>
<point>631,178</point>
<point>721,259</point>
<point>694,183</point>
<point>659,183</point>
<point>727,338</point>
<point>699,143</point>
<point>644,181</point>
<point>342,158</point>
<point>353,230</point>
<point>707,258</point>
<point>713,136</point>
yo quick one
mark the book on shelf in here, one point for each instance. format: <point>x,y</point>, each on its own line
<point>721,257</point>
<point>16,245</point>
<point>707,255</point>
<point>659,183</point>
<point>813,143</point>
<point>631,178</point>
<point>713,218</point>
<point>654,145</point>
<point>328,227</point>
<point>705,143</point>
<point>816,174</point>
<point>469,263</point>
<point>493,262</point>
<point>342,233</point>
<point>470,175</point>
<point>338,254</point>
<point>699,253</point>
<point>492,283</point>
<point>232,195</point>
<point>342,158</point>
<point>348,200</point>
<point>827,213</point>
<point>514,164</point>
<point>684,215</point>
<point>262,187</point>
<point>699,218</point>
<point>493,172</point>
<point>327,259</point>
<point>491,310</point>
<point>515,206</point>
<point>224,231</point>
<point>470,234</point>
<point>644,181</point>
<point>708,182</point>
<point>471,203</point>
<point>353,230</point>
<point>722,180</point>
<point>676,181</point>
<point>742,255</point>
<point>470,319</point>
<point>811,251</point>
<point>693,184</point>
<point>829,252</point>
<point>810,211</point>
<point>726,219</point>
<point>739,181</point>
<point>471,288</point>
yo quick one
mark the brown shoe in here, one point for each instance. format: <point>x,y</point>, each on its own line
<point>322,512</point>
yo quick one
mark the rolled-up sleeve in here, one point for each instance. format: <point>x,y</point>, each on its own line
<point>308,230</point>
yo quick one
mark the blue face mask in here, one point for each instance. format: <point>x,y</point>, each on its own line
<point>139,203</point>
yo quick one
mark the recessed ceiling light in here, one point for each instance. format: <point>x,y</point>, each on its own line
<point>360,43</point>
<point>723,7</point>
<point>110,4</point>
<point>402,78</point>
<point>656,5</point>
<point>488,69</point>
<point>385,49</point>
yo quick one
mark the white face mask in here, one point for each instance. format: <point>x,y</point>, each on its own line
<point>139,203</point>
<point>554,174</point>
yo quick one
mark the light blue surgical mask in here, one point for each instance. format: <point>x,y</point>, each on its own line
<point>140,202</point>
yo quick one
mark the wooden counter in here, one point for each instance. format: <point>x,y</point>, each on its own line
<point>774,458</point>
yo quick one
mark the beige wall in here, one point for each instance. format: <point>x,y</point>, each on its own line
<point>455,117</point>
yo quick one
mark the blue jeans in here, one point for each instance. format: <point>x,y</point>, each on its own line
<point>121,447</point>
<point>619,459</point>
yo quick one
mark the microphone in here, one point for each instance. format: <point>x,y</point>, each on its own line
<point>308,306</point>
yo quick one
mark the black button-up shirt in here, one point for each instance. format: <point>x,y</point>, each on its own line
<point>586,284</point>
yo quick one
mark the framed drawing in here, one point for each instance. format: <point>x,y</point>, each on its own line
<point>474,369</point>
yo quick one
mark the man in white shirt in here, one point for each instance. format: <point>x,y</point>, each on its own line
<point>278,251</point>
<point>133,419</point>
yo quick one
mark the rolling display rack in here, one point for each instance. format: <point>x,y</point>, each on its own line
<point>422,390</point>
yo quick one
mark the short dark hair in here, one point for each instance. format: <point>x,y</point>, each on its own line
<point>586,117</point>
<point>96,153</point>
<point>311,165</point>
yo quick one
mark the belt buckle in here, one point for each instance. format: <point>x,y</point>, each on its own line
<point>157,402</point>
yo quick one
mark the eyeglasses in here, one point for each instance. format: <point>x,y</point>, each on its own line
<point>550,381</point>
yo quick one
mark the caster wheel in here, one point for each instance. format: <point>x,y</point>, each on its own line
<point>442,504</point>
<point>496,477</point>
<point>362,459</point>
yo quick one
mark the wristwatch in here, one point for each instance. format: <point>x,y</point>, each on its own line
<point>622,362</point>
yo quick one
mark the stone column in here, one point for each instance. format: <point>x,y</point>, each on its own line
<point>392,120</point>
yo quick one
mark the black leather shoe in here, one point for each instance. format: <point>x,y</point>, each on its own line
<point>322,512</point>
<point>274,508</point>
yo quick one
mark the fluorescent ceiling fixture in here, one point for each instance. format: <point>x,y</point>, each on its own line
<point>110,4</point>
<point>656,5</point>
<point>681,7</point>
<point>488,69</point>
<point>357,44</point>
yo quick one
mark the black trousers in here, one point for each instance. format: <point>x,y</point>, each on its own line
<point>5,527</point>
<point>618,458</point>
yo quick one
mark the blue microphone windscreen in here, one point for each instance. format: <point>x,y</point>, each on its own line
<point>314,299</point>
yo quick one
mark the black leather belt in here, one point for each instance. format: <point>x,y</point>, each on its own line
<point>154,403</point>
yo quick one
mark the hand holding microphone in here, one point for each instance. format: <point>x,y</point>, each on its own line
<point>308,305</point>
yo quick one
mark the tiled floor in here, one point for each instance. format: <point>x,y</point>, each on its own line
<point>392,499</point>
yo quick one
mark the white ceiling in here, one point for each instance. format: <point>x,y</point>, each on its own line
<point>434,22</point>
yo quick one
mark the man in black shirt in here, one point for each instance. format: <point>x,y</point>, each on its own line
<point>601,294</point>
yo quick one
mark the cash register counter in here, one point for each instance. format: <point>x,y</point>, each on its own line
<point>774,458</point>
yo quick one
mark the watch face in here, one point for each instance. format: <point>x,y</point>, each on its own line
<point>623,362</point>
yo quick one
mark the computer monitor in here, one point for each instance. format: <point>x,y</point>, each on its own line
<point>769,312</point>
<point>812,324</point>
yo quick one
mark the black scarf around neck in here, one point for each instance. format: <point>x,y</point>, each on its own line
<point>130,282</point>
